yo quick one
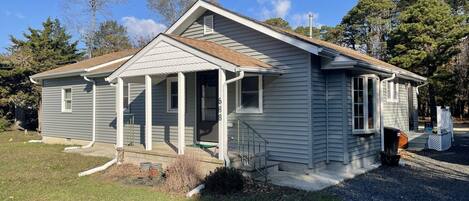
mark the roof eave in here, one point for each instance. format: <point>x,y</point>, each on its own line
<point>57,75</point>
<point>399,73</point>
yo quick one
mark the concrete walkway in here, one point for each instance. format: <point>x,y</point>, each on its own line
<point>99,149</point>
<point>315,181</point>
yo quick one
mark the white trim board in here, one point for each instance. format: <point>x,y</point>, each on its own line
<point>200,7</point>
<point>161,37</point>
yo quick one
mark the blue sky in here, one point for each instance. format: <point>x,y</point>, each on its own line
<point>16,16</point>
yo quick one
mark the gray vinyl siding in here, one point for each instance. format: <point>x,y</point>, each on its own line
<point>285,121</point>
<point>164,123</point>
<point>336,97</point>
<point>105,112</point>
<point>396,114</point>
<point>76,124</point>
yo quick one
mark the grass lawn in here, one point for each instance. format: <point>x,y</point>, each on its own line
<point>30,171</point>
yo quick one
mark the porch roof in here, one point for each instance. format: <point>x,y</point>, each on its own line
<point>168,54</point>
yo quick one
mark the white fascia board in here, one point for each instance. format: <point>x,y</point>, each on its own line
<point>108,63</point>
<point>199,7</point>
<point>221,63</point>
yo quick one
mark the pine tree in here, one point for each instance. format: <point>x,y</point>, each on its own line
<point>426,40</point>
<point>110,37</point>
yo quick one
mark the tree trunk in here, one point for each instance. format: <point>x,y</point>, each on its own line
<point>432,103</point>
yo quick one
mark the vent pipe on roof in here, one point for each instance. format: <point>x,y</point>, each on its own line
<point>310,25</point>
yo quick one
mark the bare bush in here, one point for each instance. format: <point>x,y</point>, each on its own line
<point>183,174</point>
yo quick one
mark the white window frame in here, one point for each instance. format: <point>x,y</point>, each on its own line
<point>127,109</point>
<point>365,129</point>
<point>63,100</point>
<point>208,19</point>
<point>170,80</point>
<point>259,110</point>
<point>392,89</point>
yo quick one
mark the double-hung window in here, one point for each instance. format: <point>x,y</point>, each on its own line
<point>364,110</point>
<point>172,94</point>
<point>392,94</point>
<point>249,94</point>
<point>67,100</point>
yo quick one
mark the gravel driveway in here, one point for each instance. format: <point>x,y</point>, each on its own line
<point>428,175</point>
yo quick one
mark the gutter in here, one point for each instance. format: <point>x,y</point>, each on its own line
<point>381,118</point>
<point>225,86</point>
<point>93,139</point>
<point>417,89</point>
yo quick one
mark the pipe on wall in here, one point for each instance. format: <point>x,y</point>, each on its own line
<point>93,130</point>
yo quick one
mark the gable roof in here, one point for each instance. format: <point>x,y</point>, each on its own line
<point>199,51</point>
<point>312,45</point>
<point>108,62</point>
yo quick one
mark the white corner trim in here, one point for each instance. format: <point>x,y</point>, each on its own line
<point>175,28</point>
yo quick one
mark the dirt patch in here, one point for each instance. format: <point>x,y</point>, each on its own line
<point>130,174</point>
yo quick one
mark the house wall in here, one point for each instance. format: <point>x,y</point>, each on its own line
<point>75,124</point>
<point>78,123</point>
<point>396,114</point>
<point>285,121</point>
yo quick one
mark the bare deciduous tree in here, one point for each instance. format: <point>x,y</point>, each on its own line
<point>171,10</point>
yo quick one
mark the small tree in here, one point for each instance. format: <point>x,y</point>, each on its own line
<point>278,22</point>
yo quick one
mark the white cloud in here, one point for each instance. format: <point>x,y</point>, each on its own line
<point>274,8</point>
<point>302,19</point>
<point>14,14</point>
<point>142,27</point>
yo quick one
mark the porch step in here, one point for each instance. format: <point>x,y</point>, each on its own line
<point>249,170</point>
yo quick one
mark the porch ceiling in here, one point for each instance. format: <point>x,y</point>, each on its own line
<point>168,54</point>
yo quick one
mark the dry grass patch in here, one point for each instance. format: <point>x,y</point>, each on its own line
<point>183,174</point>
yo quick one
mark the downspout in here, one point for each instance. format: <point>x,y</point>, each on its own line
<point>115,159</point>
<point>93,132</point>
<point>33,81</point>
<point>225,85</point>
<point>381,116</point>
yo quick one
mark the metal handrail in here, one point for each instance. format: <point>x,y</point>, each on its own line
<point>246,147</point>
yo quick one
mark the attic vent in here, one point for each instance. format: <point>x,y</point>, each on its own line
<point>208,24</point>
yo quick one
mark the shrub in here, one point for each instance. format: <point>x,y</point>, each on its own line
<point>183,174</point>
<point>224,180</point>
<point>4,124</point>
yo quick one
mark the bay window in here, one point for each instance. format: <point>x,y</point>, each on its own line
<point>364,100</point>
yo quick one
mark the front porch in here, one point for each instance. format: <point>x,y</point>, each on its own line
<point>184,98</point>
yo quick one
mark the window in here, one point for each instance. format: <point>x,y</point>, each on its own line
<point>208,24</point>
<point>364,98</point>
<point>172,94</point>
<point>67,100</point>
<point>249,94</point>
<point>126,97</point>
<point>392,94</point>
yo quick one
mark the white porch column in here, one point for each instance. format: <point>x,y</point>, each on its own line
<point>222,120</point>
<point>120,113</point>
<point>148,113</point>
<point>181,112</point>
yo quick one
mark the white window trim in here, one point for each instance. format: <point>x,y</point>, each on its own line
<point>390,86</point>
<point>169,80</point>
<point>365,129</point>
<point>63,99</point>
<point>128,99</point>
<point>208,18</point>
<point>260,110</point>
